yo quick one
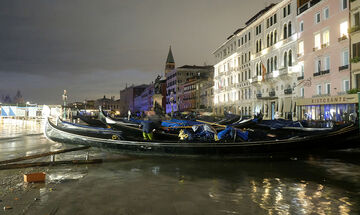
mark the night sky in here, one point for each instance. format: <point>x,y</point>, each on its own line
<point>95,47</point>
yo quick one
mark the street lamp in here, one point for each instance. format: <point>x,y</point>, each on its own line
<point>64,97</point>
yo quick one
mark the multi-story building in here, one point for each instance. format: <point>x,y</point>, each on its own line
<point>145,101</point>
<point>355,43</point>
<point>127,97</point>
<point>109,104</point>
<point>323,56</point>
<point>255,68</point>
<point>177,77</point>
<point>196,93</point>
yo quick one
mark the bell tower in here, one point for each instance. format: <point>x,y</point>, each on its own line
<point>170,62</point>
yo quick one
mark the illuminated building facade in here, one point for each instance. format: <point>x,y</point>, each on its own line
<point>178,77</point>
<point>355,43</point>
<point>256,69</point>
<point>323,56</point>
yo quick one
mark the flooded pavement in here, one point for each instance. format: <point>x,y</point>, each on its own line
<point>326,184</point>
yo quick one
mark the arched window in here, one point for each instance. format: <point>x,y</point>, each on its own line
<point>267,41</point>
<point>257,46</point>
<point>285,59</point>
<point>285,31</point>
<point>290,58</point>
<point>268,65</point>
<point>257,69</point>
<point>272,65</point>
<point>271,38</point>
<point>289,29</point>
<point>275,62</point>
<point>275,36</point>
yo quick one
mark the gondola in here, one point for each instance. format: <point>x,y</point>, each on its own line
<point>133,127</point>
<point>336,139</point>
<point>91,120</point>
<point>84,128</point>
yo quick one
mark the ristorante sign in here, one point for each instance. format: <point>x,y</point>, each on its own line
<point>343,99</point>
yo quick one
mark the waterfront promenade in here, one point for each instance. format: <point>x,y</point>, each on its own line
<point>321,184</point>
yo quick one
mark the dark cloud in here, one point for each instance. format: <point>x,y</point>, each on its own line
<point>93,47</point>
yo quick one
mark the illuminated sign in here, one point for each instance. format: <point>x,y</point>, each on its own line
<point>344,99</point>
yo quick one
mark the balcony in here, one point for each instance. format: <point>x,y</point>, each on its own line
<point>325,72</point>
<point>300,78</point>
<point>272,94</point>
<point>344,37</point>
<point>343,67</point>
<point>324,45</point>
<point>321,72</point>
<point>316,48</point>
<point>306,6</point>
<point>256,79</point>
<point>269,76</point>
<point>288,91</point>
<point>354,29</point>
<point>258,95</point>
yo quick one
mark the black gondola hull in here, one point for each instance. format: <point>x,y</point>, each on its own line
<point>339,139</point>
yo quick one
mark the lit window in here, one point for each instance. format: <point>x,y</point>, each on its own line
<point>326,38</point>
<point>301,48</point>
<point>317,41</point>
<point>344,29</point>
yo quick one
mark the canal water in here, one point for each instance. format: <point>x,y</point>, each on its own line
<point>319,184</point>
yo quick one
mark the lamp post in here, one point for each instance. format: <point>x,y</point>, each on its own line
<point>64,97</point>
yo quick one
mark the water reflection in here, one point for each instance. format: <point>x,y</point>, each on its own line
<point>316,186</point>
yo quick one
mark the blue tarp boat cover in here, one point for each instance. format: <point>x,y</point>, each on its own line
<point>230,132</point>
<point>280,123</point>
<point>179,123</point>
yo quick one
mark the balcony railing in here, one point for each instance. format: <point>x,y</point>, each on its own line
<point>300,78</point>
<point>343,67</point>
<point>325,72</point>
<point>324,45</point>
<point>316,48</point>
<point>354,29</point>
<point>344,37</point>
<point>306,6</point>
<point>258,95</point>
<point>272,93</point>
<point>288,91</point>
<point>322,72</point>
